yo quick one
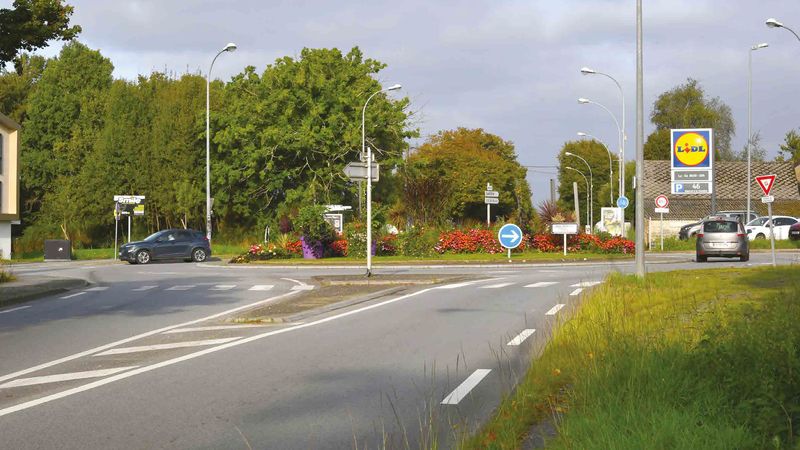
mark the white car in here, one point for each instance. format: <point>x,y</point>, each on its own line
<point>759,228</point>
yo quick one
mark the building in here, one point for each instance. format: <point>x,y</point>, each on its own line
<point>731,193</point>
<point>9,182</point>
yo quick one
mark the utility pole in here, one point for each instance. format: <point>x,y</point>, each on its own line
<point>577,203</point>
<point>640,181</point>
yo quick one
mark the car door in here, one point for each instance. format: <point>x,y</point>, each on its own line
<point>782,225</point>
<point>164,246</point>
<point>183,244</point>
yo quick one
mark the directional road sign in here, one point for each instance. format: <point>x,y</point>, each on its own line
<point>510,236</point>
<point>491,201</point>
<point>623,202</point>
<point>491,194</point>
<point>358,171</point>
<point>766,182</point>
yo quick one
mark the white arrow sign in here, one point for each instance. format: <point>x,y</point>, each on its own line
<point>514,236</point>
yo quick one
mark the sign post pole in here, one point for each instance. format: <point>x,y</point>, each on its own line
<point>129,227</point>
<point>565,244</point>
<point>767,182</point>
<point>662,232</point>
<point>116,228</point>
<point>771,233</point>
<point>369,211</point>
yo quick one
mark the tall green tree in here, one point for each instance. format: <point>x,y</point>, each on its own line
<point>31,24</point>
<point>447,175</point>
<point>597,156</point>
<point>790,149</point>
<point>688,106</point>
<point>16,86</point>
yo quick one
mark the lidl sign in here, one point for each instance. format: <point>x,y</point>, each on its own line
<point>692,148</point>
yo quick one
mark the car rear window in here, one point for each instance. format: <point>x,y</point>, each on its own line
<point>720,226</point>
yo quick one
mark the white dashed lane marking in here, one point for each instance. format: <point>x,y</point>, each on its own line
<point>183,287</point>
<point>261,287</point>
<point>585,284</point>
<point>14,309</point>
<point>64,377</point>
<point>150,348</point>
<point>97,289</point>
<point>541,284</point>
<point>145,288</point>
<point>74,295</point>
<point>496,286</point>
<point>554,310</point>
<point>520,338</point>
<point>303,287</point>
<point>466,387</point>
<point>222,287</point>
<point>576,292</point>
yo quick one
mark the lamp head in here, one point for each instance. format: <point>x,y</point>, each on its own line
<point>758,46</point>
<point>583,100</point>
<point>587,71</point>
<point>394,87</point>
<point>570,168</point>
<point>568,153</point>
<point>773,23</point>
<point>230,47</point>
<point>582,134</point>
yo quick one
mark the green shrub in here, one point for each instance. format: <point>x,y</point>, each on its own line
<point>417,242</point>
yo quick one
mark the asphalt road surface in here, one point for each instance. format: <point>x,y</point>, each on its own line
<point>147,356</point>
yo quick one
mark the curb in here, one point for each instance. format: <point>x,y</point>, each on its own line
<point>19,291</point>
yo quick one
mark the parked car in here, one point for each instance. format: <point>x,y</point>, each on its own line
<point>690,230</point>
<point>759,228</point>
<point>724,237</point>
<point>794,231</point>
<point>189,245</point>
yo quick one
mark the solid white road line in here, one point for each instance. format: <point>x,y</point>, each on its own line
<point>222,287</point>
<point>454,286</point>
<point>97,289</point>
<point>261,287</point>
<point>541,284</point>
<point>464,388</point>
<point>496,286</point>
<point>576,292</point>
<point>64,377</point>
<point>211,328</point>
<point>554,310</point>
<point>74,295</point>
<point>145,288</point>
<point>521,337</point>
<point>303,287</point>
<point>122,376</point>
<point>150,348</point>
<point>181,287</point>
<point>142,335</point>
<point>585,284</point>
<point>14,309</point>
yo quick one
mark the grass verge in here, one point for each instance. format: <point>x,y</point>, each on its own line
<point>701,359</point>
<point>5,276</point>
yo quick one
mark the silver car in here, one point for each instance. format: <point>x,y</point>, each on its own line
<point>724,237</point>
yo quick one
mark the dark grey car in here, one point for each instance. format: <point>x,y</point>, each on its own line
<point>189,245</point>
<point>723,237</point>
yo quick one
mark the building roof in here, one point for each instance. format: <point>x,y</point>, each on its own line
<point>731,191</point>
<point>8,122</point>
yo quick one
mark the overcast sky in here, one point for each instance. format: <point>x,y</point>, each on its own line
<point>510,67</point>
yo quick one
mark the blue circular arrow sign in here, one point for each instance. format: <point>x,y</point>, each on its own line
<point>622,202</point>
<point>510,236</point>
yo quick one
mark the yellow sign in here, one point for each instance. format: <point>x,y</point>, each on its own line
<point>691,148</point>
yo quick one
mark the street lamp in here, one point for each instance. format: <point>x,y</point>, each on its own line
<point>591,189</point>
<point>588,71</point>
<point>368,156</point>
<point>750,116</point>
<point>587,192</point>
<point>228,48</point>
<point>610,165</point>
<point>585,101</point>
<point>773,23</point>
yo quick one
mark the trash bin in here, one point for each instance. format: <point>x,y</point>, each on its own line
<point>57,250</point>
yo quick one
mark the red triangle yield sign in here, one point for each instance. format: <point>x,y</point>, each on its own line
<point>766,182</point>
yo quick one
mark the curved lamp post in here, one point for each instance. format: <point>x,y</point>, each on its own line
<point>623,137</point>
<point>591,188</point>
<point>367,156</point>
<point>585,101</point>
<point>587,190</point>
<point>610,165</point>
<point>228,48</point>
<point>750,116</point>
<point>773,23</point>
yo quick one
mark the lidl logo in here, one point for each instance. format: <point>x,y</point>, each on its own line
<point>691,148</point>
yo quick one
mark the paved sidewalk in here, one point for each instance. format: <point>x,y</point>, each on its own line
<point>29,287</point>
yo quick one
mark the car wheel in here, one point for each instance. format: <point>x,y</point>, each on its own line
<point>744,258</point>
<point>702,258</point>
<point>761,236</point>
<point>142,257</point>
<point>199,255</point>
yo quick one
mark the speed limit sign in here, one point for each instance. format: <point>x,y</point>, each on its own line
<point>662,201</point>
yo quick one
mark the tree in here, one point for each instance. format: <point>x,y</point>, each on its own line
<point>447,175</point>
<point>790,149</point>
<point>686,106</point>
<point>31,24</point>
<point>16,87</point>
<point>757,151</point>
<point>597,156</point>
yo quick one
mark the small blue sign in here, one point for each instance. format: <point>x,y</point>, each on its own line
<point>679,188</point>
<point>623,202</point>
<point>510,236</point>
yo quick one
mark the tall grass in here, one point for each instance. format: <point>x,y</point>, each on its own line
<point>702,359</point>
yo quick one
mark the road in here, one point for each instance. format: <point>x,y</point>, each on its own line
<point>145,359</point>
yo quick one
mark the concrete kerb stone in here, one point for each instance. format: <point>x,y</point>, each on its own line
<point>28,288</point>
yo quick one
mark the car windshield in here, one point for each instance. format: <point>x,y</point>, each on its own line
<point>721,226</point>
<point>758,222</point>
<point>153,236</point>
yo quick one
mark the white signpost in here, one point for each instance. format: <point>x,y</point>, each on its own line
<point>662,203</point>
<point>767,182</point>
<point>564,228</point>
<point>490,197</point>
